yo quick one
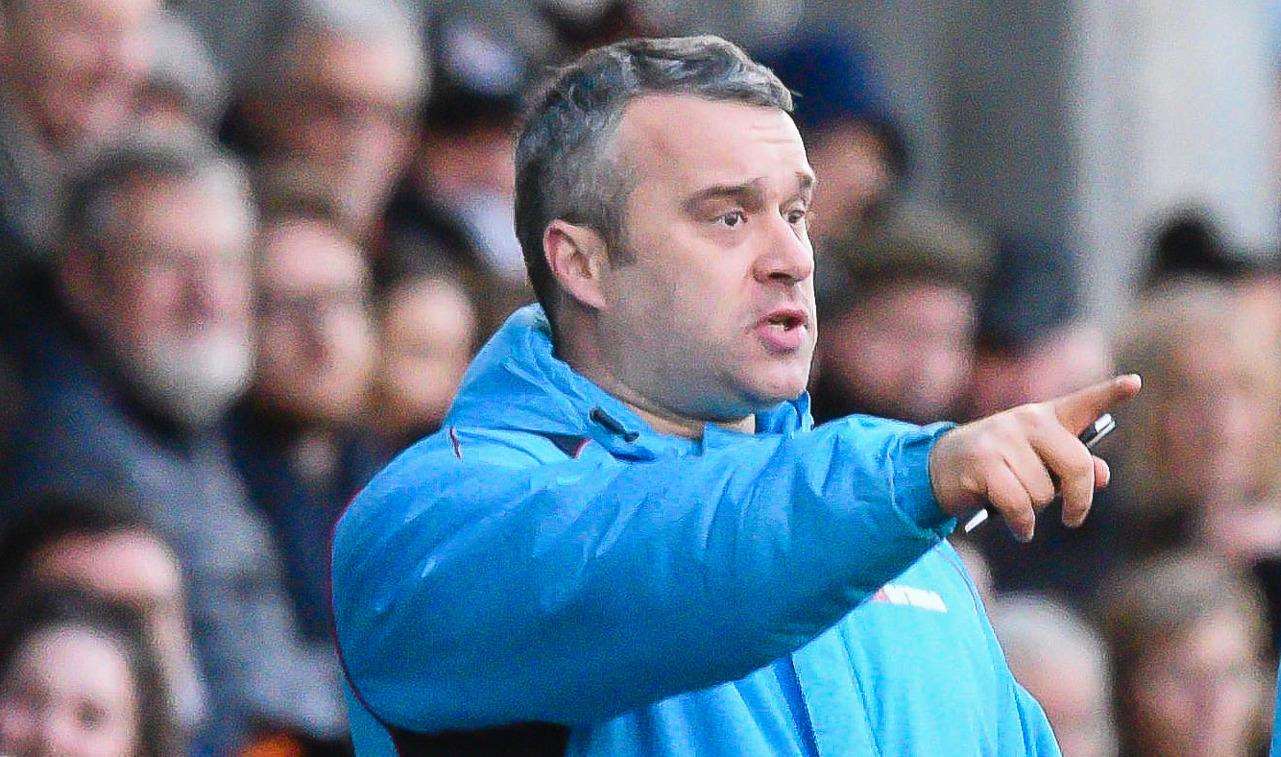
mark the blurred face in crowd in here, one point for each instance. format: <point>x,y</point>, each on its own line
<point>479,160</point>
<point>69,691</point>
<point>345,108</point>
<point>708,312</point>
<point>1068,358</point>
<point>76,63</point>
<point>904,350</point>
<point>137,569</point>
<point>1199,693</point>
<point>1075,698</point>
<point>1213,412</point>
<point>171,294</point>
<point>855,168</point>
<point>315,336</point>
<point>428,330</point>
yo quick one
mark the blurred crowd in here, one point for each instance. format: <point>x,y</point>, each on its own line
<point>248,249</point>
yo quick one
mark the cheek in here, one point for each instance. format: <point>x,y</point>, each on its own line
<point>278,352</point>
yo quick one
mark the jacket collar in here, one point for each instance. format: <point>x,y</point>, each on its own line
<point>517,383</point>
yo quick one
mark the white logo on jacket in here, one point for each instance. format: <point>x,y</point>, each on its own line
<point>898,594</point>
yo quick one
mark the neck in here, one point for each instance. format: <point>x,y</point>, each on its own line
<point>581,349</point>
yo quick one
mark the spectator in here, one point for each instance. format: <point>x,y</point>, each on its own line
<point>70,74</point>
<point>852,141</point>
<point>1195,443</point>
<point>295,437</point>
<point>132,354</point>
<point>77,678</point>
<point>337,91</point>
<point>107,548</point>
<point>897,308</point>
<point>1064,663</point>
<point>1034,344</point>
<point>1187,639</point>
<point>458,195</point>
<point>182,89</point>
<point>1033,340</point>
<point>427,327</point>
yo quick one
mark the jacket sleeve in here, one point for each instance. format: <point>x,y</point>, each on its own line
<point>469,593</point>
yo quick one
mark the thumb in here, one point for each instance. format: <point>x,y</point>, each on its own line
<point>1078,410</point>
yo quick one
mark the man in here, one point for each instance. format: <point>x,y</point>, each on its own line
<point>337,94</point>
<point>626,539</point>
<point>457,195</point>
<point>295,438</point>
<point>69,72</point>
<point>1063,661</point>
<point>108,548</point>
<point>1034,341</point>
<point>130,355</point>
<point>897,302</point>
<point>850,137</point>
<point>1033,344</point>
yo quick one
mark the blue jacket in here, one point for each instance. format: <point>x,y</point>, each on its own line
<point>548,558</point>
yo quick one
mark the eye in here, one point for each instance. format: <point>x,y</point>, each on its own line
<point>731,219</point>
<point>797,216</point>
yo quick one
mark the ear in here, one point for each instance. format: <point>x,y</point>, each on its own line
<point>577,257</point>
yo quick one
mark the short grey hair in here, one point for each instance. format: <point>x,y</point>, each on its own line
<point>369,20</point>
<point>564,169</point>
<point>91,216</point>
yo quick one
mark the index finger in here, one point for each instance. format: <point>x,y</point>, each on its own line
<point>1078,410</point>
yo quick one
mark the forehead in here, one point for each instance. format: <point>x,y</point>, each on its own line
<point>189,215</point>
<point>121,14</point>
<point>379,67</point>
<point>695,142</point>
<point>302,254</point>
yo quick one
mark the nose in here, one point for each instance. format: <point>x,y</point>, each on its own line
<point>786,254</point>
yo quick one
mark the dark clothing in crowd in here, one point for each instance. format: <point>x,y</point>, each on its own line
<point>84,428</point>
<point>1069,563</point>
<point>300,506</point>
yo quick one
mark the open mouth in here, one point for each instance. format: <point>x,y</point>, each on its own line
<point>784,320</point>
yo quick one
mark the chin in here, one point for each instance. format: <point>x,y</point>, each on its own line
<point>779,383</point>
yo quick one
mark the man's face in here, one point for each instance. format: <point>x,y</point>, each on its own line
<point>856,172</point>
<point>80,64</point>
<point>172,295</point>
<point>427,335</point>
<point>315,338</point>
<point>713,317</point>
<point>903,350</point>
<point>345,110</point>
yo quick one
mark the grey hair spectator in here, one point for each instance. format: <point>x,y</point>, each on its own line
<point>92,213</point>
<point>338,89</point>
<point>183,87</point>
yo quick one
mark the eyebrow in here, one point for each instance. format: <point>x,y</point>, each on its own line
<point>748,193</point>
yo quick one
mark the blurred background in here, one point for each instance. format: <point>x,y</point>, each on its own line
<point>248,248</point>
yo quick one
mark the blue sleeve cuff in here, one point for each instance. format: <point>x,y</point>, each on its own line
<point>913,490</point>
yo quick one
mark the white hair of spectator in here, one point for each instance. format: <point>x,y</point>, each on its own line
<point>362,20</point>
<point>181,63</point>
<point>91,213</point>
